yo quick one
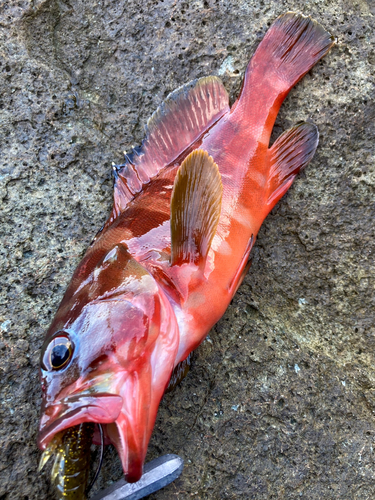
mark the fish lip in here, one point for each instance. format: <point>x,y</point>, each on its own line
<point>97,408</point>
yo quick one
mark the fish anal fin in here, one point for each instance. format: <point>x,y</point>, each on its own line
<point>195,208</point>
<point>290,153</point>
<point>185,115</point>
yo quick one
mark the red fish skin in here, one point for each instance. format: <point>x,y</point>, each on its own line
<point>240,139</point>
<point>131,315</point>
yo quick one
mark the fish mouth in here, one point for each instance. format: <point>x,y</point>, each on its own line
<point>97,408</point>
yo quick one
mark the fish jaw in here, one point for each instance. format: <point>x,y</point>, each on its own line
<point>142,391</point>
<point>98,408</point>
<point>129,433</point>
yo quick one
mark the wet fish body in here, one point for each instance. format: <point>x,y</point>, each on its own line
<point>188,205</point>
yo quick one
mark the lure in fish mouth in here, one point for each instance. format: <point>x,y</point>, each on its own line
<point>70,471</point>
<point>188,205</point>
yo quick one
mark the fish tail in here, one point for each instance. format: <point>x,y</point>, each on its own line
<point>292,46</point>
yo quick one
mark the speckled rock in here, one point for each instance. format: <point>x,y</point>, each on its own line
<point>280,400</point>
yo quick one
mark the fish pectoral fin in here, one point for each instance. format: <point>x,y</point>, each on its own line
<point>195,208</point>
<point>291,152</point>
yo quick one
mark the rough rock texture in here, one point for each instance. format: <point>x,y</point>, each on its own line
<point>280,400</point>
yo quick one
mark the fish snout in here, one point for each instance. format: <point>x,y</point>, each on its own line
<point>98,408</point>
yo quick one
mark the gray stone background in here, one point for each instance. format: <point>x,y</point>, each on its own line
<point>280,400</point>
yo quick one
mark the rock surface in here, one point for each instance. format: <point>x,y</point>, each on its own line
<point>280,400</point>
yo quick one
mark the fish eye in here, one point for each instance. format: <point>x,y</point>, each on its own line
<point>58,353</point>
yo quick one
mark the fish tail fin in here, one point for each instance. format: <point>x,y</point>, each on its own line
<point>292,46</point>
<point>290,153</point>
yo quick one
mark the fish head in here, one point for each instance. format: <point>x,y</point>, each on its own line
<point>108,355</point>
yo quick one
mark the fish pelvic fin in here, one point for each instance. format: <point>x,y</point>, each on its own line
<point>179,122</point>
<point>290,153</point>
<point>179,373</point>
<point>293,45</point>
<point>195,208</point>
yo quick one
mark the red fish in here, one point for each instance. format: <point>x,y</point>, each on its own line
<point>188,205</point>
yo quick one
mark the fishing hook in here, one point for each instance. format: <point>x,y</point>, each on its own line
<point>100,460</point>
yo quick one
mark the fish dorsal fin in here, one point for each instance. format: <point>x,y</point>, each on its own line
<point>181,119</point>
<point>290,153</point>
<point>195,208</point>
